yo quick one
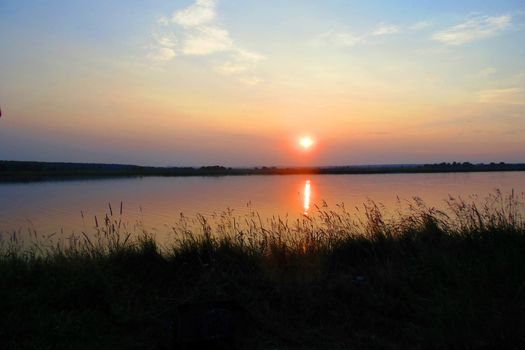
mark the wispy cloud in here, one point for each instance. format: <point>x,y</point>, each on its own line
<point>201,36</point>
<point>487,71</point>
<point>206,40</point>
<point>164,21</point>
<point>251,81</point>
<point>201,12</point>
<point>475,28</point>
<point>161,54</point>
<point>338,38</point>
<point>248,56</point>
<point>511,95</point>
<point>341,38</point>
<point>163,48</point>
<point>241,62</point>
<point>231,68</point>
<point>386,29</point>
<point>420,25</point>
<point>165,39</point>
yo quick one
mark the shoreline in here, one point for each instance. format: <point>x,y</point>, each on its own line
<point>18,171</point>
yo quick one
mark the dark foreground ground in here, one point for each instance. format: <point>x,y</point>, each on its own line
<point>424,281</point>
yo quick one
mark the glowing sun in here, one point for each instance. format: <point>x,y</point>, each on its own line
<point>306,142</point>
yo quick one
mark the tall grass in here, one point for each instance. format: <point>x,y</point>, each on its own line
<point>367,278</point>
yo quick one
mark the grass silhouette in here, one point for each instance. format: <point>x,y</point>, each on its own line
<point>421,278</point>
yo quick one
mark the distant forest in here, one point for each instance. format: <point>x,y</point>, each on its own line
<point>34,171</point>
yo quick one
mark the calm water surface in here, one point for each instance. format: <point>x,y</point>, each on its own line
<point>158,201</point>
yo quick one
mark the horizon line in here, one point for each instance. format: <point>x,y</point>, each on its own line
<point>270,166</point>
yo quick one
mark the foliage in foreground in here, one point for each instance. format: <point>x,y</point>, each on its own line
<point>420,279</point>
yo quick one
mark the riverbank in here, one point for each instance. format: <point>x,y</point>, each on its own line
<point>14,171</point>
<point>424,279</point>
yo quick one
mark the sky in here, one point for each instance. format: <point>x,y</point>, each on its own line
<point>237,83</point>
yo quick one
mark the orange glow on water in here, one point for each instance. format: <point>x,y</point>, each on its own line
<point>307,192</point>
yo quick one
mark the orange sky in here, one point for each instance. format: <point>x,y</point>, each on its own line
<point>210,82</point>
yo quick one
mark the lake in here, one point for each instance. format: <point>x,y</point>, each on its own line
<point>157,202</point>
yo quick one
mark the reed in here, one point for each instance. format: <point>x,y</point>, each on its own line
<point>418,277</point>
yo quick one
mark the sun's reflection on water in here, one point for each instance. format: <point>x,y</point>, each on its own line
<point>307,192</point>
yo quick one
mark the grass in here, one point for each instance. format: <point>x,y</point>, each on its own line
<point>421,278</point>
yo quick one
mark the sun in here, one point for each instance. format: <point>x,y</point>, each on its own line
<point>306,142</point>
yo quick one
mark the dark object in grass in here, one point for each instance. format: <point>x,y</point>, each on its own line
<point>211,325</point>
